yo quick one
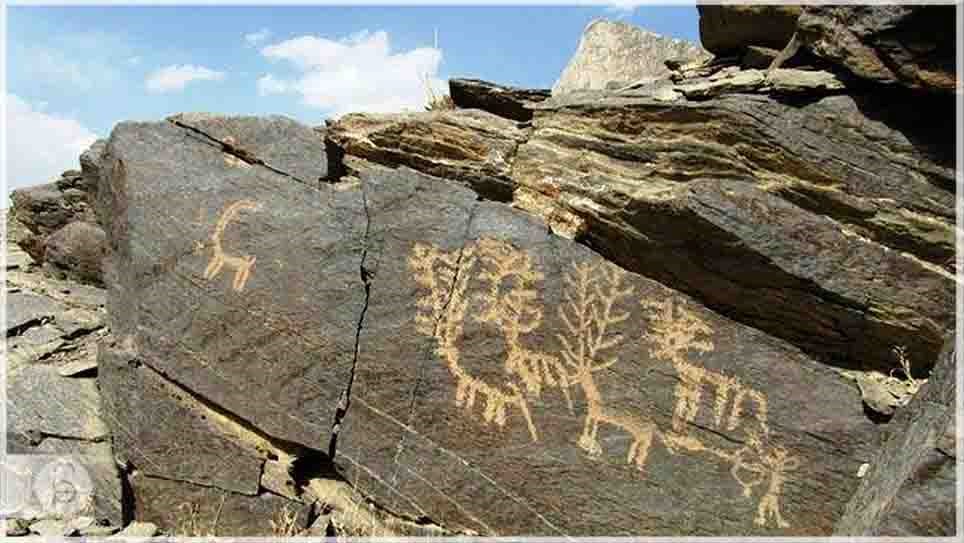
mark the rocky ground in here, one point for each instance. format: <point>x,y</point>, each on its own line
<point>711,299</point>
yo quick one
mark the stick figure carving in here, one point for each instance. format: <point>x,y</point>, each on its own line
<point>242,264</point>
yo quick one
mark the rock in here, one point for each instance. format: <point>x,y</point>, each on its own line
<point>616,52</point>
<point>17,527</point>
<point>187,510</point>
<point>279,142</point>
<point>41,401</point>
<point>98,530</point>
<point>26,309</point>
<point>136,530</point>
<point>51,528</point>
<point>788,80</point>
<point>161,431</point>
<point>77,250</point>
<point>41,208</point>
<point>910,489</point>
<point>78,367</point>
<point>16,258</point>
<point>508,102</point>
<point>34,245</point>
<point>276,477</point>
<point>759,58</point>
<point>485,362</point>
<point>731,82</point>
<point>729,29</point>
<point>34,344</point>
<point>621,169</point>
<point>910,45</point>
<point>76,322</point>
<point>474,147</point>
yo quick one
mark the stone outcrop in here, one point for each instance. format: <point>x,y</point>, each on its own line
<point>670,307</point>
<point>909,488</point>
<point>509,102</point>
<point>613,54</point>
<point>49,213</point>
<point>910,45</point>
<point>729,29</point>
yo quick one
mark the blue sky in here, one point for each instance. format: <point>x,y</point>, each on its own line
<point>74,72</point>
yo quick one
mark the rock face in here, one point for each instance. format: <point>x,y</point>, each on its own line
<point>910,45</point>
<point>643,311</point>
<point>508,102</point>
<point>464,327</point>
<point>614,54</point>
<point>910,487</point>
<point>78,250</point>
<point>49,213</point>
<point>727,30</point>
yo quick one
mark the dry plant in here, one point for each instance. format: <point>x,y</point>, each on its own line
<point>190,524</point>
<point>285,523</point>
<point>434,101</point>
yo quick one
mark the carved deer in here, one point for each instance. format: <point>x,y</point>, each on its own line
<point>588,313</point>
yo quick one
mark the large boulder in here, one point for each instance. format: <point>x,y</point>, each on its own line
<point>508,102</point>
<point>616,54</point>
<point>909,45</point>
<point>77,250</point>
<point>449,355</point>
<point>730,29</point>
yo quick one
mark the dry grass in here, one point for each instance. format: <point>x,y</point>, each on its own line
<point>434,101</point>
<point>285,523</point>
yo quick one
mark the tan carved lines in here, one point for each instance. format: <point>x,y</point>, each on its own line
<point>442,314</point>
<point>675,330</point>
<point>588,313</point>
<point>242,264</point>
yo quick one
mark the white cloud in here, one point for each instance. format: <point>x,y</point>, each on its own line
<point>623,7</point>
<point>42,145</point>
<point>359,73</point>
<point>175,78</point>
<point>254,38</point>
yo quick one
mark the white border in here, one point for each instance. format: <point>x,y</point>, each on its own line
<point>959,301</point>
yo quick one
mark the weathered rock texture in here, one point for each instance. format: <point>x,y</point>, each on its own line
<point>508,102</point>
<point>615,54</point>
<point>61,227</point>
<point>910,487</point>
<point>636,313</point>
<point>906,44</point>
<point>729,29</point>
<point>478,369</point>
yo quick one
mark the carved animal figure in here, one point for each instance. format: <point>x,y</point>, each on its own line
<point>591,294</point>
<point>241,264</point>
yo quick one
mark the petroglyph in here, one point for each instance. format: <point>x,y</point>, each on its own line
<point>509,304</point>
<point>592,295</point>
<point>673,331</point>
<point>589,314</point>
<point>242,264</point>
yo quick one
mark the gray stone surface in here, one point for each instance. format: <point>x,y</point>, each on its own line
<point>40,401</point>
<point>98,461</point>
<point>611,52</point>
<point>26,309</point>
<point>77,251</point>
<point>186,510</point>
<point>504,101</point>
<point>158,430</point>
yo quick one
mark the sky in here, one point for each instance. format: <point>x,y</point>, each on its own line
<point>74,72</point>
